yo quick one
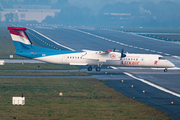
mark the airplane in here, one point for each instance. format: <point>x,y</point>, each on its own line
<point>25,48</point>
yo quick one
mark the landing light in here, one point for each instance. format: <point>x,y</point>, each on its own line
<point>60,94</point>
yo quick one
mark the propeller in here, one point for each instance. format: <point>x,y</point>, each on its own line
<point>114,49</point>
<point>122,54</point>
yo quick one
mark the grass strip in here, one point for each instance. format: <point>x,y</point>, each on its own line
<point>36,73</point>
<point>82,99</point>
<point>36,66</point>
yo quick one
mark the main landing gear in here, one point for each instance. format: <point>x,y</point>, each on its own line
<point>165,70</point>
<point>98,69</point>
<point>89,68</point>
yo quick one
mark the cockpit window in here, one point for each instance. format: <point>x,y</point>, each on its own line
<point>161,58</point>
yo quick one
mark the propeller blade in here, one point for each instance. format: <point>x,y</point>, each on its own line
<point>114,50</point>
<point>122,54</point>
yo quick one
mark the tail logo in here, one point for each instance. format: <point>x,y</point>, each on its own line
<point>18,34</point>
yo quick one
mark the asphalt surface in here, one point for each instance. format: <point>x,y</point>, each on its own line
<point>79,40</point>
<point>20,61</point>
<point>96,39</point>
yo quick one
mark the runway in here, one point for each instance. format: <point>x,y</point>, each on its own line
<point>96,39</point>
<point>105,39</point>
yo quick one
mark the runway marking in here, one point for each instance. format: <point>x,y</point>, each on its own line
<point>114,67</point>
<point>138,68</point>
<point>52,40</point>
<point>166,54</point>
<point>153,85</point>
<point>151,38</point>
<point>161,33</point>
<point>174,68</point>
<point>119,42</point>
<point>178,57</point>
<point>153,51</point>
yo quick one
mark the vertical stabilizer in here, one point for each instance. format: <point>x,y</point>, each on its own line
<point>20,39</point>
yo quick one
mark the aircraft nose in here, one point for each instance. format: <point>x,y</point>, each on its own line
<point>171,64</point>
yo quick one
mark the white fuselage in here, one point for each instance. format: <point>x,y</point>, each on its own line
<point>91,58</point>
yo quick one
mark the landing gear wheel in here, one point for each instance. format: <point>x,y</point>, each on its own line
<point>98,69</point>
<point>89,68</point>
<point>165,70</point>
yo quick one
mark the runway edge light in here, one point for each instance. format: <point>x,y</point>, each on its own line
<point>1,62</point>
<point>60,94</point>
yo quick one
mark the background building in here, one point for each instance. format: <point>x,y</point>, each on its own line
<point>28,13</point>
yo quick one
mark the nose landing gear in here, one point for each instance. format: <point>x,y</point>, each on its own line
<point>165,70</point>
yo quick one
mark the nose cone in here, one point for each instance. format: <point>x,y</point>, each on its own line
<point>171,64</point>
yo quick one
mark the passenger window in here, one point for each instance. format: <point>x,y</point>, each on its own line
<point>128,58</point>
<point>161,58</point>
<point>136,59</point>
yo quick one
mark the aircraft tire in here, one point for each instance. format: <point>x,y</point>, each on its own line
<point>98,69</point>
<point>165,70</point>
<point>89,68</point>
